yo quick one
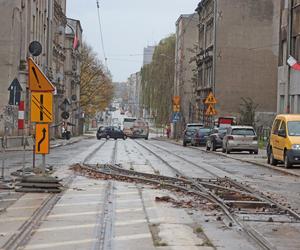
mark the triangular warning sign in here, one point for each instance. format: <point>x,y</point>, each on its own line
<point>38,82</point>
<point>210,110</point>
<point>210,99</point>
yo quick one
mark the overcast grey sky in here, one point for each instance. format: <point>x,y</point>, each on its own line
<point>128,26</point>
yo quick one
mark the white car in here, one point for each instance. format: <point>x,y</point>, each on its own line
<point>240,138</point>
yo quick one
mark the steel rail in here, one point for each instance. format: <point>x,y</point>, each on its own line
<point>25,231</point>
<point>90,155</point>
<point>259,239</point>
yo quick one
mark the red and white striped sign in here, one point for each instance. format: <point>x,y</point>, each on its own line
<point>292,62</point>
<point>21,115</point>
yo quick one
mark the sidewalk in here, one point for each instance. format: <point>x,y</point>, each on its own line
<point>260,159</point>
<point>53,143</point>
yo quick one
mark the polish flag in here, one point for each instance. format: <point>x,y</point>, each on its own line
<point>292,62</point>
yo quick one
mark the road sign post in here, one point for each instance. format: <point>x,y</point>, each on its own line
<point>41,108</point>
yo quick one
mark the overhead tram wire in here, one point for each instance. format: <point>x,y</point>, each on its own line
<point>101,34</point>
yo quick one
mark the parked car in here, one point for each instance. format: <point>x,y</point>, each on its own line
<point>200,136</point>
<point>240,138</point>
<point>140,129</point>
<point>187,135</point>
<point>110,132</point>
<point>215,139</point>
<point>284,144</point>
<point>194,125</point>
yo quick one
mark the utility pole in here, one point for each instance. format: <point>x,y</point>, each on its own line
<point>288,53</point>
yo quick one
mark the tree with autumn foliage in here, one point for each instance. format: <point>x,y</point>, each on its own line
<point>158,81</point>
<point>96,88</point>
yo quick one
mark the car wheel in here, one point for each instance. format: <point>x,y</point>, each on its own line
<point>184,143</point>
<point>223,150</point>
<point>213,146</point>
<point>273,161</point>
<point>251,152</point>
<point>227,150</point>
<point>115,138</point>
<point>255,152</point>
<point>287,163</point>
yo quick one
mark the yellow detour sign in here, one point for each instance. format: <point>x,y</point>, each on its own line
<point>41,107</point>
<point>42,139</point>
<point>210,111</point>
<point>38,82</point>
<point>210,99</point>
<point>176,100</point>
<point>176,108</point>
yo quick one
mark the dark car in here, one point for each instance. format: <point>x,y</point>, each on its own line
<point>200,136</point>
<point>110,132</point>
<point>187,135</point>
<point>215,139</point>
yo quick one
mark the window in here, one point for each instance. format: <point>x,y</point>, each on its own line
<point>294,128</point>
<point>298,104</point>
<point>209,32</point>
<point>283,126</point>
<point>292,105</point>
<point>276,127</point>
<point>281,104</point>
<point>242,131</point>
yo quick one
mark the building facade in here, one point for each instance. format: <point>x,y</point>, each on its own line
<point>288,99</point>
<point>73,42</point>
<point>23,22</point>
<point>237,55</point>
<point>185,52</point>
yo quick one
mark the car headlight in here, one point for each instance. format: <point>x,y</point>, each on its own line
<point>296,146</point>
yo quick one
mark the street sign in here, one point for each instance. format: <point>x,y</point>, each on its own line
<point>42,139</point>
<point>210,111</point>
<point>176,108</point>
<point>14,92</point>
<point>38,82</point>
<point>176,100</point>
<point>210,99</point>
<point>35,48</point>
<point>176,117</point>
<point>65,115</point>
<point>41,107</point>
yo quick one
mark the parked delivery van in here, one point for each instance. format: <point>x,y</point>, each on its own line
<point>284,143</point>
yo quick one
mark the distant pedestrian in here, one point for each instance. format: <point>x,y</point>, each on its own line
<point>168,131</point>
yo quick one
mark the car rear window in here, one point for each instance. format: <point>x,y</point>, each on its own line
<point>190,131</point>
<point>204,131</point>
<point>242,131</point>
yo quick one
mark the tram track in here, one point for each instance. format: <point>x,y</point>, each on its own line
<point>236,200</point>
<point>25,232</point>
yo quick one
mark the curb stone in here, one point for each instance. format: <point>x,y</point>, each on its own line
<point>279,169</point>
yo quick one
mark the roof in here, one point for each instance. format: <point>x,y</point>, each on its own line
<point>289,117</point>
<point>241,126</point>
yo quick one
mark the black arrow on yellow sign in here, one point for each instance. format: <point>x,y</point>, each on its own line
<point>42,139</point>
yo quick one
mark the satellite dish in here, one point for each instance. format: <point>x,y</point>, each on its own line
<point>35,48</point>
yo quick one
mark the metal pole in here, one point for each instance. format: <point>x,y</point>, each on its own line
<point>24,150</point>
<point>3,159</point>
<point>44,164</point>
<point>33,157</point>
